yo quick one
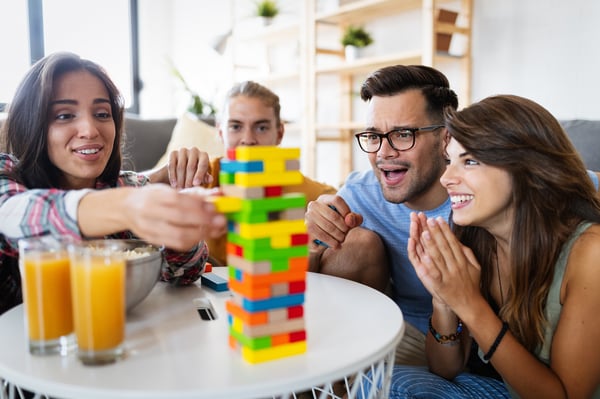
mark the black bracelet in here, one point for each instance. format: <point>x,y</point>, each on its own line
<point>490,353</point>
<point>446,339</point>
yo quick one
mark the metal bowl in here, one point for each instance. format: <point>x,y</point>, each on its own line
<point>144,263</point>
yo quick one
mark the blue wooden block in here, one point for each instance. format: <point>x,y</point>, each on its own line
<point>214,281</point>
<point>241,166</point>
<point>272,303</point>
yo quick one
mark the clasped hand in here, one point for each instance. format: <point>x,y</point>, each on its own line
<point>447,268</point>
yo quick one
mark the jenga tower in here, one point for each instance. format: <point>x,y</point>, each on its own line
<point>267,251</point>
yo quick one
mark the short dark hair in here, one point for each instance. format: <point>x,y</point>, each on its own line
<point>25,130</point>
<point>434,85</point>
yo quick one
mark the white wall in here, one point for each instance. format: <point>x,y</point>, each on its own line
<point>547,50</point>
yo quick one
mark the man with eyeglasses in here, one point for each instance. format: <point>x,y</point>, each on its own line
<point>369,217</point>
<point>405,141</point>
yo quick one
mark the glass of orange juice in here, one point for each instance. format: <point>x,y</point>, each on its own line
<point>45,278</point>
<point>98,292</point>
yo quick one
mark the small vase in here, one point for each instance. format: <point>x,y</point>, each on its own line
<point>351,53</point>
<point>266,21</point>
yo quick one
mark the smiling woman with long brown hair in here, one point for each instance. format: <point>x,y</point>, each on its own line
<point>61,175</point>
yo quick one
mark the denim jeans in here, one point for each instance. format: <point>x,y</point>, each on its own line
<point>410,382</point>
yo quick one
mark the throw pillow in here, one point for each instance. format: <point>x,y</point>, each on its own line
<point>190,131</point>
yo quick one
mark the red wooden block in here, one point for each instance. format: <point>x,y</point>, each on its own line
<point>299,239</point>
<point>273,191</point>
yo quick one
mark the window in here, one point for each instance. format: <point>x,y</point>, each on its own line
<point>102,34</point>
<point>13,25</point>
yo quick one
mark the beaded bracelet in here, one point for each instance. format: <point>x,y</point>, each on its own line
<point>451,339</point>
<point>490,353</point>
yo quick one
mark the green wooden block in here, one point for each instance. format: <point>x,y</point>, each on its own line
<point>254,343</point>
<point>226,178</point>
<point>271,204</point>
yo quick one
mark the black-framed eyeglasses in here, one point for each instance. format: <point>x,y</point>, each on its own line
<point>400,139</point>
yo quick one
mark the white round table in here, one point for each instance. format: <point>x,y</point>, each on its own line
<point>172,352</point>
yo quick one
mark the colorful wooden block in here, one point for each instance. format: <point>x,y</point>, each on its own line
<point>297,263</point>
<point>266,279</point>
<point>261,153</point>
<point>268,354</point>
<point>240,166</point>
<point>265,316</point>
<point>226,204</point>
<point>260,330</point>
<point>268,229</point>
<point>271,303</point>
<point>267,179</point>
<point>214,281</point>
<point>257,292</point>
<point>268,341</point>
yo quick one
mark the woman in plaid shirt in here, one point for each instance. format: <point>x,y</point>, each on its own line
<point>61,174</point>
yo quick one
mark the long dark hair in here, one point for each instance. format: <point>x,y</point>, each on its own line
<point>552,193</point>
<point>25,130</point>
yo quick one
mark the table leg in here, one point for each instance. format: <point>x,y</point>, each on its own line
<point>11,391</point>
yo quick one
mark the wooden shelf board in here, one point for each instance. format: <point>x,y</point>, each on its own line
<point>269,34</point>
<point>279,77</point>
<point>371,63</point>
<point>449,28</point>
<point>362,10</point>
<point>348,125</point>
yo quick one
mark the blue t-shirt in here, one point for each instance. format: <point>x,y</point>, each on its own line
<point>362,193</point>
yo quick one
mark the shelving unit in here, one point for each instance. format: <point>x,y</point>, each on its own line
<point>350,74</point>
<point>319,65</point>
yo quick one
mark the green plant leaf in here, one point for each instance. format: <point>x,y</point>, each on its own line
<point>356,36</point>
<point>267,8</point>
<point>198,106</point>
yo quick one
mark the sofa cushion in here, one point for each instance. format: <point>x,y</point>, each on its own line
<point>145,141</point>
<point>192,132</point>
<point>585,135</point>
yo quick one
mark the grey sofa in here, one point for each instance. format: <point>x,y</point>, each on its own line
<point>145,141</point>
<point>585,135</point>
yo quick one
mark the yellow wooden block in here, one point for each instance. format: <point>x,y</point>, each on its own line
<point>226,204</point>
<point>281,241</point>
<point>270,229</point>
<point>237,324</point>
<point>274,165</point>
<point>275,352</point>
<point>268,179</point>
<point>264,152</point>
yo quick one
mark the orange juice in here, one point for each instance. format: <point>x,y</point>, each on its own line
<point>98,287</point>
<point>47,296</point>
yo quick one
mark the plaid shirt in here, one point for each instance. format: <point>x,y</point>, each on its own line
<point>32,212</point>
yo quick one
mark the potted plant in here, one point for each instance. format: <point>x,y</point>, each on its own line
<point>354,38</point>
<point>198,107</point>
<point>267,10</point>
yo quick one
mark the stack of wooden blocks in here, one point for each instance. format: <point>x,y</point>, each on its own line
<point>267,251</point>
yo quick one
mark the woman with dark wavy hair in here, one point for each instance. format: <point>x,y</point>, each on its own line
<point>516,280</point>
<point>61,175</point>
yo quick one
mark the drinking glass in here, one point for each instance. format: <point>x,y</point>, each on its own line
<point>98,290</point>
<point>46,283</point>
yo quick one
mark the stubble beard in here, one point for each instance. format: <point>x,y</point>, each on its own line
<point>415,184</point>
